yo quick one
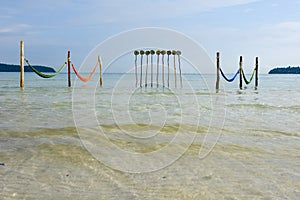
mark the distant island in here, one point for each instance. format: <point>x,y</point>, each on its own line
<point>285,70</point>
<point>16,68</point>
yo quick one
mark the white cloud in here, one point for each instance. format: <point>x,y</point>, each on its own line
<point>142,10</point>
<point>14,29</point>
<point>6,13</point>
<point>77,13</point>
<point>284,33</point>
<point>289,26</point>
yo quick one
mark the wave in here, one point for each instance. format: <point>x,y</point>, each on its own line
<point>266,106</point>
<point>271,133</point>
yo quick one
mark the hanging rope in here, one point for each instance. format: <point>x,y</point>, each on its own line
<point>232,79</point>
<point>245,79</point>
<point>42,74</point>
<point>90,76</point>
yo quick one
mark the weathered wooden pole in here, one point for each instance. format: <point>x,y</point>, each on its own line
<point>146,81</point>
<point>69,68</point>
<point>241,71</point>
<point>157,67</point>
<point>142,52</point>
<point>218,72</point>
<point>179,66</point>
<point>169,53</point>
<point>136,53</point>
<point>22,64</point>
<point>174,53</point>
<point>256,73</point>
<point>163,52</point>
<point>152,52</point>
<point>100,65</point>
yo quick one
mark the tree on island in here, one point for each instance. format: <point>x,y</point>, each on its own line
<point>285,70</point>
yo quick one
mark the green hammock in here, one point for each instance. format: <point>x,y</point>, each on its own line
<point>245,79</point>
<point>45,75</point>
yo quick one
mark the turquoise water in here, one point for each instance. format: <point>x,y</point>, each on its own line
<point>123,142</point>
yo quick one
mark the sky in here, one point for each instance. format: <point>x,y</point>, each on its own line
<point>269,29</point>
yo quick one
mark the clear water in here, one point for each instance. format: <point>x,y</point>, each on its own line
<point>251,138</point>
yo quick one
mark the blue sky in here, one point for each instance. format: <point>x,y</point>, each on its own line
<point>269,29</point>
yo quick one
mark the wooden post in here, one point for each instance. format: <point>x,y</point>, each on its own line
<point>69,69</point>
<point>241,68</point>
<point>256,73</point>
<point>141,77</point>
<point>152,52</point>
<point>100,65</point>
<point>136,53</point>
<point>157,67</point>
<point>146,69</point>
<point>22,64</point>
<point>179,66</point>
<point>218,72</point>
<point>174,61</point>
<point>147,61</point>
<point>163,52</point>
<point>169,53</point>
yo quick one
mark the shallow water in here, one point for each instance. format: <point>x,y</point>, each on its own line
<point>64,143</point>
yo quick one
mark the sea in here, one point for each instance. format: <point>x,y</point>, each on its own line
<point>123,141</point>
